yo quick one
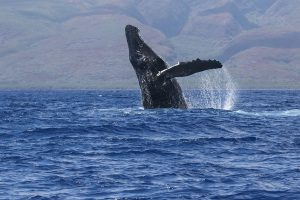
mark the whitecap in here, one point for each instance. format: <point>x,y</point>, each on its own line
<point>285,113</point>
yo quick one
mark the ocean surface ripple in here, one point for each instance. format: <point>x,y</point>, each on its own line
<point>104,145</point>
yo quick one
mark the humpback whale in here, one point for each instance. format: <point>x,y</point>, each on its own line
<point>158,84</point>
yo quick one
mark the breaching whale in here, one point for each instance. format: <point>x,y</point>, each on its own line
<point>159,87</point>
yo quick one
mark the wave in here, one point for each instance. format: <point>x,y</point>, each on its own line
<point>216,140</point>
<point>285,113</point>
<point>142,152</point>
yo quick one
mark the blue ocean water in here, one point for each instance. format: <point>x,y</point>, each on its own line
<point>103,145</point>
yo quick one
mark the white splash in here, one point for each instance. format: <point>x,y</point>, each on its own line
<point>217,90</point>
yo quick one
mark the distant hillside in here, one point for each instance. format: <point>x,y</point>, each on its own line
<point>81,43</point>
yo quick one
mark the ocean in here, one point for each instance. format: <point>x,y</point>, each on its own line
<point>101,144</point>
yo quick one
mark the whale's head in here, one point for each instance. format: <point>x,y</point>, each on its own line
<point>134,40</point>
<point>136,47</point>
<point>131,31</point>
<point>141,56</point>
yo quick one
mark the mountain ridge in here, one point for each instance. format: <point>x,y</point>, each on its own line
<point>81,44</point>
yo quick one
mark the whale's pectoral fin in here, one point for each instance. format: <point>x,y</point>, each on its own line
<point>188,68</point>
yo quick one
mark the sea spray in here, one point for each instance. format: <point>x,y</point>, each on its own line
<point>215,89</point>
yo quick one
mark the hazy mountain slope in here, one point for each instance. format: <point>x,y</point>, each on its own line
<point>262,38</point>
<point>283,14</point>
<point>79,55</point>
<point>81,43</point>
<point>270,67</point>
<point>169,16</point>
